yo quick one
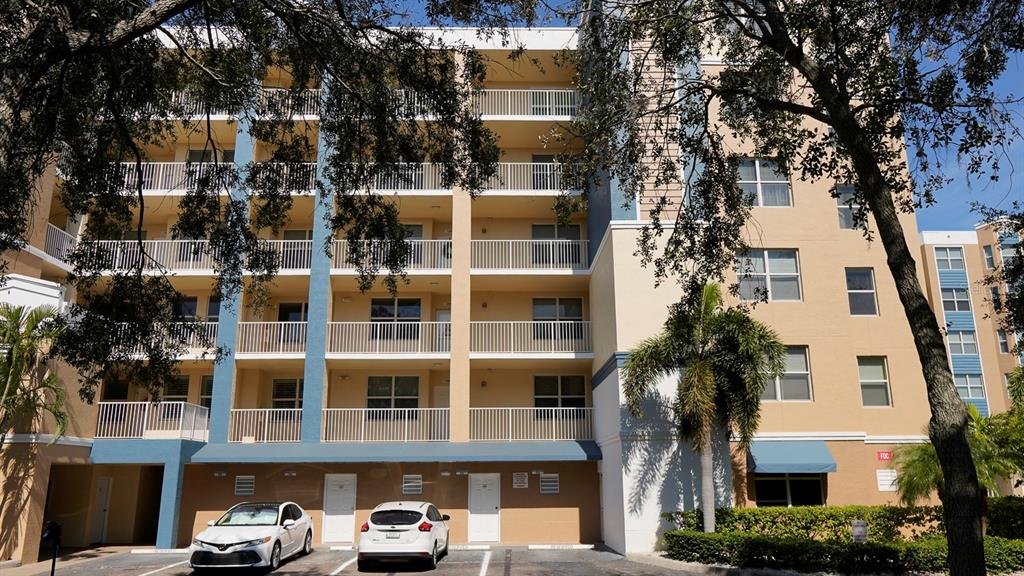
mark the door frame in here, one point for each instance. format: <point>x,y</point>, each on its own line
<point>103,509</point>
<point>469,533</point>
<point>355,496</point>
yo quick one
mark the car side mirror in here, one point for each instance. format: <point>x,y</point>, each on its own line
<point>211,522</point>
<point>445,517</point>
<point>288,522</point>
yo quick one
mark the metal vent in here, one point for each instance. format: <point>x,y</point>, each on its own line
<point>549,484</point>
<point>245,485</point>
<point>412,484</point>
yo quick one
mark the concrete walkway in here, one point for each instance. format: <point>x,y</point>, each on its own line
<point>69,558</point>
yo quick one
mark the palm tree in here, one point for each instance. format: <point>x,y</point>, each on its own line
<point>722,358</point>
<point>28,387</point>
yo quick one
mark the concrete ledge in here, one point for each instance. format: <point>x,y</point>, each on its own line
<point>660,561</point>
<point>470,547</point>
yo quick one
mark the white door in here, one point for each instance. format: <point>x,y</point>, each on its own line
<point>339,507</point>
<point>484,507</point>
<point>101,505</point>
<point>443,334</point>
<point>440,397</point>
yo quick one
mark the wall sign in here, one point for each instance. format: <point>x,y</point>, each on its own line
<point>520,479</point>
<point>884,455</point>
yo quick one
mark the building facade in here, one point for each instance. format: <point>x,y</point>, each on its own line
<point>490,384</point>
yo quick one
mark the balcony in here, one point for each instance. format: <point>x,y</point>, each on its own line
<point>176,178</point>
<point>287,339</point>
<point>529,104</point>
<point>291,254</point>
<point>276,100</point>
<point>383,339</point>
<point>152,420</point>
<point>432,256</point>
<point>58,244</point>
<point>152,255</point>
<point>531,339</point>
<point>190,335</point>
<point>385,425</point>
<point>531,256</point>
<point>529,179</point>
<point>265,425</point>
<point>517,424</point>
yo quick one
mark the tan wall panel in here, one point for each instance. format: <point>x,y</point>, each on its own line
<point>511,388</point>
<point>516,228</point>
<point>516,305</point>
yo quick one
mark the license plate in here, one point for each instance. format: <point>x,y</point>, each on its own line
<point>392,535</point>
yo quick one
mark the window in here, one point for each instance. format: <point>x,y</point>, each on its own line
<point>962,342</point>
<point>557,254</point>
<point>1004,342</point>
<point>213,309</point>
<point>292,511</point>
<point>764,183</point>
<point>795,382</point>
<point>177,390</point>
<point>860,289</point>
<point>292,312</point>
<point>245,486</point>
<point>789,490</point>
<point>287,393</point>
<point>874,380</point>
<point>412,484</point>
<point>955,299</point>
<point>393,392</point>
<point>206,391</point>
<point>774,274</point>
<point>558,318</point>
<point>545,172</point>
<point>549,484</point>
<point>1009,254</point>
<point>949,258</point>
<point>997,300</point>
<point>206,155</point>
<point>559,391</point>
<point>433,515</point>
<point>845,202</point>
<point>990,261</point>
<point>969,385</point>
<point>186,308</point>
<point>395,318</point>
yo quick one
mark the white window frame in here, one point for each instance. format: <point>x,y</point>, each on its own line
<point>843,206</point>
<point>395,317</point>
<point>296,400</point>
<point>1004,341</point>
<point>759,183</point>
<point>948,259</point>
<point>560,396</point>
<point>164,397</point>
<point>990,258</point>
<point>972,387</point>
<point>873,291</point>
<point>202,393</point>
<point>886,382</point>
<point>558,310</point>
<point>955,300</point>
<point>957,345</point>
<point>777,381</point>
<point>1007,253</point>
<point>768,274</point>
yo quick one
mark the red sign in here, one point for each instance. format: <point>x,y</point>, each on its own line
<point>884,455</point>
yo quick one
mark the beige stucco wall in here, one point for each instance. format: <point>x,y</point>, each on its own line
<point>506,388</point>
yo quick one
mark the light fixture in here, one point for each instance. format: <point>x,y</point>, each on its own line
<point>483,383</point>
<point>346,299</point>
<point>483,305</point>
<point>461,472</point>
<point>536,472</point>
<point>290,473</point>
<point>446,473</point>
<point>345,377</point>
<point>219,474</point>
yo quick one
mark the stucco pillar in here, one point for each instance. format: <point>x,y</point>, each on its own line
<point>26,476</point>
<point>231,309</point>
<point>462,231</point>
<point>170,503</point>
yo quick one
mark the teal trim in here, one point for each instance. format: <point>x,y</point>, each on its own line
<point>963,320</point>
<point>613,363</point>
<point>231,307</point>
<point>791,457</point>
<point>295,453</point>
<point>318,304</point>
<point>966,363</point>
<point>953,279</point>
<point>981,404</point>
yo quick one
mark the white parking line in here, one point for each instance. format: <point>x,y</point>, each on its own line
<point>338,570</point>
<point>164,568</point>
<point>486,561</point>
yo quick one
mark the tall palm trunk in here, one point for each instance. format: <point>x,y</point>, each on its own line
<point>707,485</point>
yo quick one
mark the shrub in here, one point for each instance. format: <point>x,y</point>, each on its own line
<point>1006,517</point>
<point>756,551</point>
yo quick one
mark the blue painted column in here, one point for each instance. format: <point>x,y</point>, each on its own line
<point>170,502</point>
<point>231,308</point>
<point>318,304</point>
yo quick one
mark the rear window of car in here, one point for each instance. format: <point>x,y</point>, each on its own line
<point>395,517</point>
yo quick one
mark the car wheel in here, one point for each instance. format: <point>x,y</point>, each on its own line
<point>307,546</point>
<point>363,565</point>
<point>275,557</point>
<point>432,561</point>
<point>444,553</point>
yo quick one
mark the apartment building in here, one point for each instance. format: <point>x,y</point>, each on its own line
<point>489,385</point>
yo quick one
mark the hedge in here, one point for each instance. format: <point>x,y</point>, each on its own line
<point>885,523</point>
<point>754,551</point>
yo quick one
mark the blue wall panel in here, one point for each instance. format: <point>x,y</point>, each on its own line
<point>952,278</point>
<point>980,403</point>
<point>966,363</point>
<point>960,320</point>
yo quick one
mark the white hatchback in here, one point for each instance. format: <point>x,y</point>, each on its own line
<point>403,530</point>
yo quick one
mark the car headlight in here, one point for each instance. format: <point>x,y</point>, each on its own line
<point>257,542</point>
<point>197,542</point>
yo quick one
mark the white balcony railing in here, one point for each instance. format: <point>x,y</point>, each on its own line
<point>407,176</point>
<point>284,102</point>
<point>381,338</point>
<point>526,102</point>
<point>530,254</point>
<point>298,178</point>
<point>156,420</point>
<point>509,424</point>
<point>385,424</point>
<point>164,177</point>
<point>191,336</point>
<point>259,425</point>
<point>530,337</point>
<point>423,254</point>
<point>193,106</point>
<point>271,337</point>
<point>292,254</point>
<point>58,243</point>
<point>529,177</point>
<point>152,254</point>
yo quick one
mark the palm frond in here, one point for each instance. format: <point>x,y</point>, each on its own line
<point>695,403</point>
<point>650,361</point>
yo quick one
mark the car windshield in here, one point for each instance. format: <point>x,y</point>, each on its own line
<point>250,515</point>
<point>395,517</point>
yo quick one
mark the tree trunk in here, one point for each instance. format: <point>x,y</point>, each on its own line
<point>948,425</point>
<point>707,485</point>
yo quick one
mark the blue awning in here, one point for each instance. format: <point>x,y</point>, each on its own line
<point>791,456</point>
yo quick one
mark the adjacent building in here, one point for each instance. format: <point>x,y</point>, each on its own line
<point>489,385</point>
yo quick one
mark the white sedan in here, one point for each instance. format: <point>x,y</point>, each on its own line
<point>403,530</point>
<point>253,534</point>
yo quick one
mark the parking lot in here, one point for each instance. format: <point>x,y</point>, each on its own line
<point>498,561</point>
